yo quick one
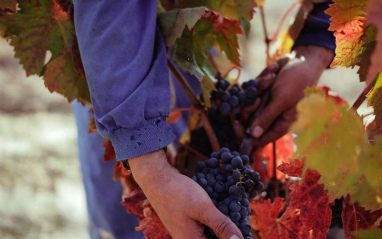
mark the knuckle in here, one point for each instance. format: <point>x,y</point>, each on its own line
<point>222,227</point>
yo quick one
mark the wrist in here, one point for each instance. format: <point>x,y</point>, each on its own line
<point>316,56</point>
<point>149,167</point>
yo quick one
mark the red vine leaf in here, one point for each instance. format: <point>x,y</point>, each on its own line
<point>120,171</point>
<point>10,4</point>
<point>313,202</point>
<point>174,117</point>
<point>62,77</point>
<point>265,220</point>
<point>192,49</point>
<point>109,154</point>
<point>92,126</point>
<point>137,203</point>
<point>356,218</point>
<point>293,168</point>
<point>373,15</point>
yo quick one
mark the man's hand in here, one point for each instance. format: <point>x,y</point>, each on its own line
<point>303,68</point>
<point>182,205</point>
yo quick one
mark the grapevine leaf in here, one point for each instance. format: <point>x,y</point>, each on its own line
<point>293,168</point>
<point>62,77</point>
<point>327,142</point>
<point>207,86</point>
<point>149,221</point>
<point>245,10</point>
<point>120,171</point>
<point>368,234</point>
<point>364,59</point>
<point>184,55</point>
<point>172,23</point>
<point>192,49</point>
<point>38,27</point>
<point>10,4</point>
<point>310,197</point>
<point>374,11</point>
<point>347,22</point>
<point>174,117</point>
<point>356,218</point>
<point>375,100</point>
<point>226,31</point>
<point>109,154</point>
<point>92,126</point>
<point>265,220</point>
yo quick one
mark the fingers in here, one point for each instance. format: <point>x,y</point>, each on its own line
<point>272,68</point>
<point>223,227</point>
<point>265,82</point>
<point>238,129</point>
<point>246,112</point>
<point>266,118</point>
<point>278,129</point>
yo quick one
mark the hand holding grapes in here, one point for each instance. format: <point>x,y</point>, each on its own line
<point>182,205</point>
<point>298,71</point>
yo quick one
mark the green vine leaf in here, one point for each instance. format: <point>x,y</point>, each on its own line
<point>172,23</point>
<point>334,143</point>
<point>207,86</point>
<point>375,100</point>
<point>368,234</point>
<point>38,27</point>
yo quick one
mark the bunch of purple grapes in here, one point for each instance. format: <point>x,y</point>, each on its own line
<point>234,99</point>
<point>229,182</point>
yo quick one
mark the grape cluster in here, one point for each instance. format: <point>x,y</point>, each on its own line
<point>232,100</point>
<point>229,182</point>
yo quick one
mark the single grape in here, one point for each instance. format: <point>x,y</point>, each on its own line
<point>236,174</point>
<point>245,202</point>
<point>233,100</point>
<point>225,96</point>
<point>235,216</point>
<point>251,92</point>
<point>249,184</point>
<point>226,157</point>
<point>200,165</point>
<point>245,228</point>
<point>236,110</point>
<point>212,163</point>
<point>234,190</point>
<point>253,83</point>
<point>243,212</point>
<point>245,85</point>
<point>211,181</point>
<point>209,190</point>
<point>245,159</point>
<point>224,108</point>
<point>219,187</point>
<point>202,182</point>
<point>223,209</point>
<point>237,162</point>
<point>215,155</point>
<point>221,178</point>
<point>259,186</point>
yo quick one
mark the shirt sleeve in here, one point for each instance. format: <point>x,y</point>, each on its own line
<point>125,63</point>
<point>315,30</point>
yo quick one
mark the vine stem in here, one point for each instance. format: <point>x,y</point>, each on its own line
<point>191,149</point>
<point>361,98</point>
<point>196,103</point>
<point>282,21</point>
<point>265,30</point>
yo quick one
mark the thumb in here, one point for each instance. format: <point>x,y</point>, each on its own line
<point>266,117</point>
<point>222,226</point>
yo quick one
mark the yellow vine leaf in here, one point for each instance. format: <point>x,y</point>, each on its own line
<point>334,143</point>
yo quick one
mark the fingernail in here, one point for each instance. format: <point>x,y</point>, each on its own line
<point>257,131</point>
<point>269,76</point>
<point>234,237</point>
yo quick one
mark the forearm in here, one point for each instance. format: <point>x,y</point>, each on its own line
<point>317,57</point>
<point>125,63</point>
